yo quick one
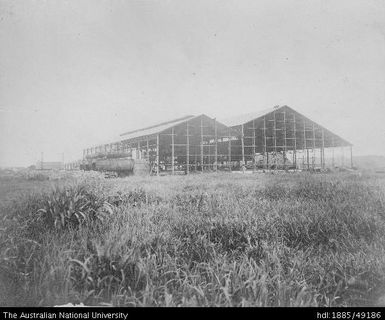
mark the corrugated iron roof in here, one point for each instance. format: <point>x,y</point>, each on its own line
<point>244,118</point>
<point>148,131</point>
<point>112,140</point>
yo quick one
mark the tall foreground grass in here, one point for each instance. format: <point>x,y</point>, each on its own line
<point>208,240</point>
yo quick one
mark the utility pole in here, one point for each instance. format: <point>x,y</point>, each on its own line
<point>41,160</point>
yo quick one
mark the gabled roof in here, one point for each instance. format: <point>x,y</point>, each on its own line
<point>155,129</point>
<point>112,140</point>
<point>147,131</point>
<point>244,118</point>
<point>237,121</point>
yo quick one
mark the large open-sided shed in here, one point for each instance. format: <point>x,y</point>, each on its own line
<point>185,144</point>
<point>275,138</point>
<point>282,137</point>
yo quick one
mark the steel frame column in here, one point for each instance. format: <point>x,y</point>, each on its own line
<point>201,144</point>
<point>254,163</point>
<point>314,147</point>
<point>265,156</point>
<point>157,155</point>
<point>216,146</point>
<point>139,156</point>
<point>323,150</point>
<point>275,141</point>
<point>243,146</point>
<point>295,143</point>
<point>305,144</point>
<point>229,150</point>
<point>333,163</point>
<point>148,151</point>
<point>187,149</point>
<point>343,156</point>
<point>172,152</point>
<point>285,138</point>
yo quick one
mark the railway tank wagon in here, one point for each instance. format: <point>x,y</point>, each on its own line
<point>119,163</point>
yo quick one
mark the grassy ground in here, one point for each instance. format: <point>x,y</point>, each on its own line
<point>201,240</point>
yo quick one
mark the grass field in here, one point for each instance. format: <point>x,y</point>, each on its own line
<point>201,240</point>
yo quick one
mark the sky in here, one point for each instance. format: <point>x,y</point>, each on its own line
<point>80,72</point>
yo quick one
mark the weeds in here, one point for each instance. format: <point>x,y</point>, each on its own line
<point>311,240</point>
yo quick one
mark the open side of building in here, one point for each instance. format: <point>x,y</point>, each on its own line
<point>180,146</point>
<point>276,138</point>
<point>281,137</point>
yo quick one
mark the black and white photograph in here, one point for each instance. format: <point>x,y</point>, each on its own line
<point>192,153</point>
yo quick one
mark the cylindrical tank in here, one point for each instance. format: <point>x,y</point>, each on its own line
<point>118,165</point>
<point>123,166</point>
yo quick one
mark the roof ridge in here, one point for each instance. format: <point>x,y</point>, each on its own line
<point>158,125</point>
<point>245,117</point>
